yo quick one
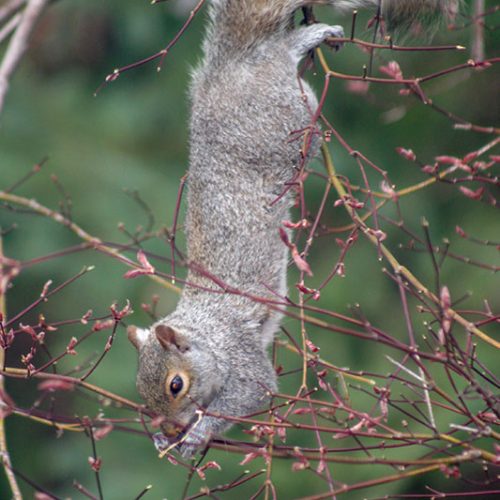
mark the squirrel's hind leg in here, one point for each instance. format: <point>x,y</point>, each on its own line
<point>304,39</point>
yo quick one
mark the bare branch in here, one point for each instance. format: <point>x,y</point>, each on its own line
<point>19,44</point>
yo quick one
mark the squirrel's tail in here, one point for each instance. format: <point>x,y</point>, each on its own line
<point>417,14</point>
<point>241,23</point>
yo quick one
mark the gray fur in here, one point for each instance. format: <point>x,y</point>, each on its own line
<point>247,103</point>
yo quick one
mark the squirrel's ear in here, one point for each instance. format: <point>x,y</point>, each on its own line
<point>137,336</point>
<point>169,337</point>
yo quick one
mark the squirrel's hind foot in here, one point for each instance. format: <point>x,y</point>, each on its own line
<point>309,37</point>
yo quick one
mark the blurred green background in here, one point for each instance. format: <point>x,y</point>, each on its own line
<point>133,136</point>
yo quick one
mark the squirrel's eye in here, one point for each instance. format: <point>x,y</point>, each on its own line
<point>176,385</point>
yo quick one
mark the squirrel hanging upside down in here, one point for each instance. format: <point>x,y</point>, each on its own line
<point>208,359</point>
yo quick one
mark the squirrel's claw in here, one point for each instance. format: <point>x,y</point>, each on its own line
<point>161,441</point>
<point>335,32</point>
<point>186,443</point>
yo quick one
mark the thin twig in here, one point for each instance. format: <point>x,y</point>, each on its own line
<point>397,267</point>
<point>80,232</point>
<point>14,487</point>
<point>477,46</point>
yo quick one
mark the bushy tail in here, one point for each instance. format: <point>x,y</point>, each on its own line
<point>241,23</point>
<point>418,14</point>
<point>407,14</point>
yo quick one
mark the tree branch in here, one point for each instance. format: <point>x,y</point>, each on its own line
<point>19,44</point>
<point>4,452</point>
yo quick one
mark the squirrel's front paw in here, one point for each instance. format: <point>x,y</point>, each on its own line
<point>194,441</point>
<point>187,446</point>
<point>161,441</point>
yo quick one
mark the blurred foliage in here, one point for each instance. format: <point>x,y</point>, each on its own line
<point>133,136</point>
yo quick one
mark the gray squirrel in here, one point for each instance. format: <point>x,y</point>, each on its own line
<point>208,359</point>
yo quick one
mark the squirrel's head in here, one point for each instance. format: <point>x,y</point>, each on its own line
<point>175,377</point>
